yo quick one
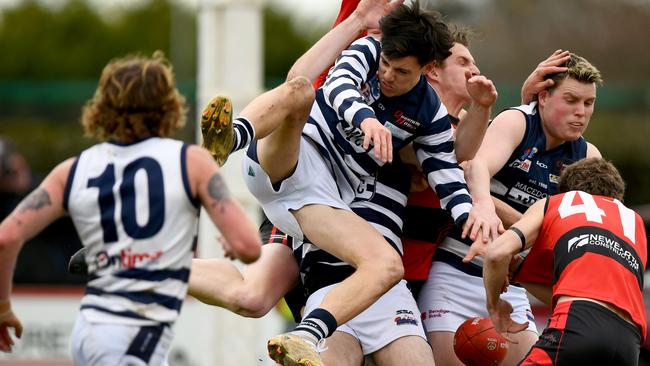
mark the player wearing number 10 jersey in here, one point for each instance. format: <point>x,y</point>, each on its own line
<point>592,250</point>
<point>134,201</point>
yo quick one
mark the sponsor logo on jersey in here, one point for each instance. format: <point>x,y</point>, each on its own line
<point>397,131</point>
<point>525,194</point>
<point>353,134</point>
<point>528,154</point>
<point>370,92</point>
<point>578,241</point>
<point>541,165</point>
<point>605,242</point>
<point>554,178</point>
<point>521,164</point>
<point>125,259</point>
<point>405,122</point>
<point>403,317</point>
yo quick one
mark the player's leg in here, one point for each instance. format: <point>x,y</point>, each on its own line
<point>342,349</point>
<point>250,293</point>
<point>353,240</point>
<point>280,112</point>
<point>516,352</point>
<point>442,344</point>
<point>278,117</point>
<point>410,350</point>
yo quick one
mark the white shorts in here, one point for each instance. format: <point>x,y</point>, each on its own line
<point>450,296</point>
<point>107,344</point>
<point>392,316</point>
<point>311,183</point>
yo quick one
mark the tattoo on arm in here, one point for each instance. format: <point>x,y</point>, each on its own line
<point>218,190</point>
<point>35,201</point>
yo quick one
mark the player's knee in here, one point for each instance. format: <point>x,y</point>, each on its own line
<point>390,267</point>
<point>251,305</point>
<point>301,95</point>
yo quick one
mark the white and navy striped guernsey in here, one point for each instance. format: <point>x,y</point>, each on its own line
<point>134,212</point>
<point>351,93</point>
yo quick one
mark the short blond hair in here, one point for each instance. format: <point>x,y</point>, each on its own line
<point>579,69</point>
<point>136,98</point>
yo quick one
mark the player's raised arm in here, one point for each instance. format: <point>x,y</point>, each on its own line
<point>240,234</point>
<point>324,52</point>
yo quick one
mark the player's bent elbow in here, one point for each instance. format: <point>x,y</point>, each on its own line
<point>249,252</point>
<point>252,305</point>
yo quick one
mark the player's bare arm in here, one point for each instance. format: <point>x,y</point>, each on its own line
<point>35,212</point>
<point>474,123</point>
<point>592,151</point>
<point>324,52</point>
<point>497,261</point>
<point>506,213</point>
<point>208,184</point>
<point>502,137</point>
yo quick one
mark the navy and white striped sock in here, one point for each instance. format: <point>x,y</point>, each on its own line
<point>244,133</point>
<point>316,325</point>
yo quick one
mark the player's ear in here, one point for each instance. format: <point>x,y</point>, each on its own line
<point>428,69</point>
<point>431,71</point>
<point>542,97</point>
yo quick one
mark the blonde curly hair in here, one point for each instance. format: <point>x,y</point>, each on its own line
<point>136,98</point>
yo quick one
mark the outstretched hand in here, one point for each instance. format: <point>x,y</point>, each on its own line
<point>371,11</point>
<point>502,321</point>
<point>482,217</point>
<point>8,320</point>
<point>380,137</point>
<point>536,82</point>
<point>478,248</point>
<point>481,90</point>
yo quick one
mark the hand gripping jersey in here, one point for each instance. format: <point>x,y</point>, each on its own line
<point>592,247</point>
<point>532,172</point>
<point>133,210</point>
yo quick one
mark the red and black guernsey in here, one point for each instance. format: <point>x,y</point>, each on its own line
<point>592,247</point>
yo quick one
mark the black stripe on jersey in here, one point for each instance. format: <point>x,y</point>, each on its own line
<point>432,164</point>
<point>445,147</point>
<point>142,297</point>
<point>385,202</point>
<point>186,180</point>
<point>123,314</point>
<point>455,261</point>
<point>182,274</point>
<point>251,152</point>
<point>145,342</point>
<point>68,184</point>
<point>329,154</point>
<point>589,239</point>
<point>376,217</point>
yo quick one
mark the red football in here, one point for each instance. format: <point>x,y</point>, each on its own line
<point>477,343</point>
